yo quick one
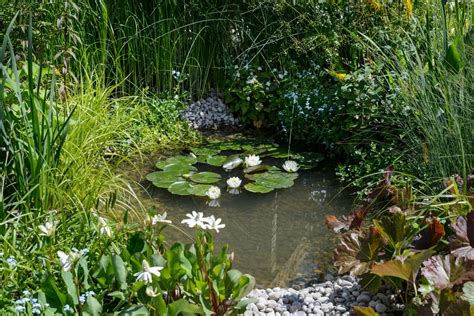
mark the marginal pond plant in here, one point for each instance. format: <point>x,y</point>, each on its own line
<point>421,244</point>
<point>180,174</point>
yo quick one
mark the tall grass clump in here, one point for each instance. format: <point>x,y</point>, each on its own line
<point>435,81</point>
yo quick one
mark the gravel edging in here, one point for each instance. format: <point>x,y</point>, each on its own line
<point>209,113</point>
<point>336,297</point>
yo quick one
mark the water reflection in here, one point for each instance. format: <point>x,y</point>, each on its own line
<point>276,237</point>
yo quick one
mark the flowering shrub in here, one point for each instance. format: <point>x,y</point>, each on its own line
<point>124,269</point>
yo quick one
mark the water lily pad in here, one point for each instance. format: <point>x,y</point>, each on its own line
<point>205,151</point>
<point>180,188</point>
<point>179,168</point>
<point>232,162</point>
<point>199,189</point>
<point>274,179</point>
<point>216,161</point>
<point>163,179</point>
<point>257,188</point>
<point>205,177</point>
<point>190,160</point>
<point>161,164</point>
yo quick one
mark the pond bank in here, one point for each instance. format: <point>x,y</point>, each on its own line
<point>337,296</point>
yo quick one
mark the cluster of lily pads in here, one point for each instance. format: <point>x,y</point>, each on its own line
<point>180,175</point>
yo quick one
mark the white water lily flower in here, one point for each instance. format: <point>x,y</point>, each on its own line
<point>252,160</point>
<point>195,219</point>
<point>151,292</point>
<point>146,274</point>
<point>104,229</point>
<point>160,218</point>
<point>68,260</point>
<point>48,229</point>
<point>234,182</point>
<point>213,193</point>
<point>290,166</point>
<point>213,223</point>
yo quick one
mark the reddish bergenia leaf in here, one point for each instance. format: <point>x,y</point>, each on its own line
<point>443,270</point>
<point>358,251</point>
<point>334,224</point>
<point>431,235</point>
<point>462,244</point>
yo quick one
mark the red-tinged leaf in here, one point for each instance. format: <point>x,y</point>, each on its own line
<point>431,235</point>
<point>443,270</point>
<point>356,218</point>
<point>358,251</point>
<point>405,269</point>
<point>467,275</point>
<point>364,311</point>
<point>334,224</point>
<point>462,244</point>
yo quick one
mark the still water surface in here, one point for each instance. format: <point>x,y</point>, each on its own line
<point>278,237</point>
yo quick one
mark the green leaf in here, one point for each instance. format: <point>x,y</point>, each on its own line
<point>393,228</point>
<point>135,243</point>
<point>205,151</point>
<point>182,306</point>
<point>205,177</point>
<point>70,286</point>
<point>120,272</point>
<point>179,168</point>
<point>180,188</point>
<point>216,161</point>
<point>256,169</point>
<point>134,310</point>
<point>406,270</point>
<point>257,188</point>
<point>55,296</point>
<point>92,306</point>
<point>117,294</point>
<point>199,189</point>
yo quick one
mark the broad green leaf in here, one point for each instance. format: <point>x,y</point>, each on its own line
<point>392,227</point>
<point>179,168</point>
<point>406,269</point>
<point>120,272</point>
<point>117,294</point>
<point>54,295</point>
<point>256,169</point>
<point>180,188</point>
<point>92,307</point>
<point>205,177</point>
<point>205,151</point>
<point>182,306</point>
<point>216,161</point>
<point>257,188</point>
<point>199,189</point>
<point>70,286</point>
<point>134,310</point>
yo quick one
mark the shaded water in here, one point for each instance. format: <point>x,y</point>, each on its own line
<point>277,237</point>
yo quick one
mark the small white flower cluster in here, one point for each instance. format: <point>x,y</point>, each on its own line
<point>48,229</point>
<point>197,219</point>
<point>21,305</point>
<point>147,274</point>
<point>68,260</point>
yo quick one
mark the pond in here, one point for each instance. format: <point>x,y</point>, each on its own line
<point>279,237</point>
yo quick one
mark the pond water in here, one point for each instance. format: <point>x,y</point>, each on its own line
<point>279,237</point>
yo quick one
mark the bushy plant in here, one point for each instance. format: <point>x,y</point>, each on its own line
<point>117,267</point>
<point>421,244</point>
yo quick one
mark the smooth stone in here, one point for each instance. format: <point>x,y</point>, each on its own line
<point>380,308</point>
<point>363,298</point>
<point>308,300</point>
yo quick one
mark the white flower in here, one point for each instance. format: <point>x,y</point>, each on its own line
<point>290,166</point>
<point>146,274</point>
<point>252,160</point>
<point>234,182</point>
<point>195,219</point>
<point>104,229</point>
<point>151,292</point>
<point>213,223</point>
<point>67,261</point>
<point>213,193</point>
<point>48,229</point>
<point>160,218</point>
